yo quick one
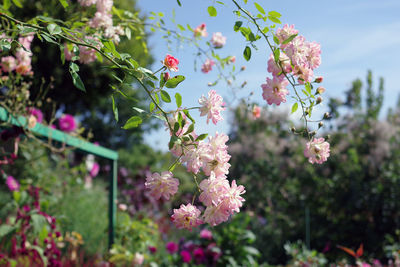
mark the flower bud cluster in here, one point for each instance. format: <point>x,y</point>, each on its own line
<point>22,62</point>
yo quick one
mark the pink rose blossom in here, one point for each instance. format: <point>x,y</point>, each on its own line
<point>12,184</point>
<point>186,217</point>
<point>275,69</point>
<point>207,66</point>
<point>317,150</point>
<point>172,247</point>
<point>200,31</point>
<point>285,32</point>
<point>87,2</point>
<point>163,185</point>
<point>217,158</point>
<point>8,64</point>
<point>215,215</point>
<point>186,257</point>
<point>218,40</point>
<point>122,207</point>
<point>171,63</point>
<point>274,91</point>
<point>212,106</point>
<point>256,112</point>
<point>67,123</point>
<point>195,157</point>
<point>233,200</point>
<point>101,20</point>
<point>138,259</point>
<point>37,113</point>
<point>104,6</point>
<point>213,190</point>
<point>206,234</point>
<point>95,170</point>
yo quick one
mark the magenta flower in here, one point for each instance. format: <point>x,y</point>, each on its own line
<point>152,249</point>
<point>317,151</point>
<point>212,106</point>
<point>37,113</point>
<point>274,91</point>
<point>186,217</point>
<point>95,170</point>
<point>171,63</point>
<point>163,185</point>
<point>172,247</point>
<point>186,257</point>
<point>12,184</point>
<point>206,234</point>
<point>199,255</point>
<point>67,123</point>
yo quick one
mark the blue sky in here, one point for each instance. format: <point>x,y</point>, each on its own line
<point>354,35</point>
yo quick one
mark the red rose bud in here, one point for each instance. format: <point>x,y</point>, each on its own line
<point>319,79</point>
<point>166,76</point>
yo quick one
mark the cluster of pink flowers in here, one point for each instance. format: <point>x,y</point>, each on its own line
<point>207,66</point>
<point>22,62</point>
<point>86,54</point>
<point>171,63</point>
<point>218,40</point>
<point>317,150</point>
<point>200,31</point>
<point>298,57</point>
<point>212,106</point>
<point>162,185</point>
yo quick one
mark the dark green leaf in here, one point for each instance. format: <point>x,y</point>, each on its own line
<point>178,100</point>
<point>73,67</point>
<point>77,81</point>
<point>237,25</point>
<point>179,2</point>
<point>134,121</point>
<point>212,11</point>
<point>173,82</point>
<point>247,53</point>
<point>114,107</point>
<point>176,127</point>
<point>5,229</point>
<point>190,129</point>
<point>276,40</point>
<point>165,96</point>
<point>54,29</point>
<point>201,137</point>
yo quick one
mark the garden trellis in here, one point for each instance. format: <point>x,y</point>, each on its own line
<point>84,146</point>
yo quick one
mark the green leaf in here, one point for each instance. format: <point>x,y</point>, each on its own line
<point>212,11</point>
<point>295,107</point>
<point>133,122</point>
<point>201,137</point>
<point>48,38</point>
<point>77,81</point>
<point>165,96</point>
<point>6,4</point>
<point>237,25</point>
<point>114,107</point>
<point>288,40</point>
<point>64,3</point>
<point>152,106</point>
<point>274,19</point>
<point>173,82</point>
<point>247,53</point>
<point>178,100</point>
<point>277,54</point>
<point>179,2</point>
<point>308,87</point>
<point>259,8</point>
<point>181,27</point>
<point>5,229</point>
<point>274,14</point>
<point>128,33</point>
<point>54,29</point>
<point>190,129</point>
<point>73,67</point>
<point>17,3</point>
<point>276,40</point>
